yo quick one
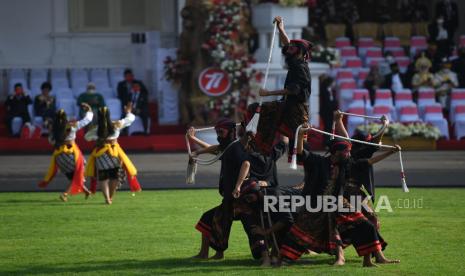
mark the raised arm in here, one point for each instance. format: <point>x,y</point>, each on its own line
<point>129,119</point>
<point>339,124</point>
<point>191,135</point>
<point>379,135</point>
<point>376,159</point>
<point>87,117</point>
<point>282,33</point>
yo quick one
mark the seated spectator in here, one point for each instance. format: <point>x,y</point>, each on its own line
<point>124,87</point>
<point>44,104</point>
<point>446,80</point>
<point>92,98</point>
<point>394,80</point>
<point>458,66</point>
<point>17,106</point>
<point>373,81</point>
<point>140,104</point>
<point>423,78</point>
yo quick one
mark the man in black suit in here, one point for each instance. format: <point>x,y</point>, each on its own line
<point>17,106</point>
<point>394,80</point>
<point>140,104</point>
<point>124,87</point>
<point>448,9</point>
<point>125,95</point>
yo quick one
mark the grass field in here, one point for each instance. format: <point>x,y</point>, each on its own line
<point>153,233</point>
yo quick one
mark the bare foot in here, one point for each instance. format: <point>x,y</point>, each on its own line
<point>369,264</point>
<point>87,194</point>
<point>266,262</point>
<point>64,197</point>
<point>386,261</point>
<point>340,262</point>
<point>275,261</point>
<point>200,256</point>
<point>218,256</point>
<point>108,201</point>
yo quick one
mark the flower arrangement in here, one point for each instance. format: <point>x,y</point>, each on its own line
<point>222,43</point>
<point>175,68</point>
<point>325,55</point>
<point>400,131</point>
<point>227,50</point>
<point>285,3</point>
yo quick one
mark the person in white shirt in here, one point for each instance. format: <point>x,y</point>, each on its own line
<point>67,156</point>
<point>447,80</point>
<point>108,160</point>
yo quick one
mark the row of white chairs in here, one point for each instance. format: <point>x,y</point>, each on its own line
<point>78,78</point>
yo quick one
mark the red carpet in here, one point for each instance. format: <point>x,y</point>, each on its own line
<point>153,143</point>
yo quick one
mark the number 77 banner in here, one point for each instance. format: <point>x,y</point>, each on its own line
<point>214,82</point>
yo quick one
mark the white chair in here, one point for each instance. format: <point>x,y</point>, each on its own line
<point>365,43</point>
<point>384,97</point>
<point>409,114</point>
<point>69,106</point>
<point>79,86</point>
<point>426,97</point>
<point>459,125</point>
<point>58,73</point>
<point>344,91</point>
<point>383,110</point>
<point>457,99</point>
<point>36,83</point>
<point>361,76</point>
<point>342,41</point>
<point>116,75</point>
<point>403,98</point>
<point>107,93</point>
<point>114,106</point>
<point>353,122</point>
<point>434,116</point>
<point>98,73</point>
<point>39,73</point>
<point>101,84</point>
<point>63,93</point>
<point>79,73</point>
<point>60,83</point>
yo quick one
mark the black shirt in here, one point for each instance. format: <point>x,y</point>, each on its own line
<point>231,163</point>
<point>17,105</point>
<point>263,167</point>
<point>298,80</point>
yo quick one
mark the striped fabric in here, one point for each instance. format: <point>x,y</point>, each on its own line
<point>107,162</point>
<point>66,162</point>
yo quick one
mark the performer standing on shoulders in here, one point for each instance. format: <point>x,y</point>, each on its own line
<point>292,111</point>
<point>108,158</point>
<point>67,156</point>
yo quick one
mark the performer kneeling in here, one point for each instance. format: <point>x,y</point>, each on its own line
<point>329,232</point>
<point>108,158</point>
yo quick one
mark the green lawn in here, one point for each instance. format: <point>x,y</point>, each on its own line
<point>153,233</point>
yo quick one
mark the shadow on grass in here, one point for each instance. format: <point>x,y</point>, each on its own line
<point>48,202</point>
<point>162,266</point>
